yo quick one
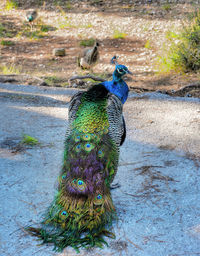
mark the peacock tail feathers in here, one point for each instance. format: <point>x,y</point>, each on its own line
<point>82,210</point>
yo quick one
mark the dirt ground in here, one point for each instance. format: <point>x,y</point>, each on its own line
<point>158,200</point>
<point>144,25</point>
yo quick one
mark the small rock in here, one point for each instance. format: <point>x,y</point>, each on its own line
<point>58,52</point>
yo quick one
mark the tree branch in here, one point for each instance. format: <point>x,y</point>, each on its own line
<point>95,78</point>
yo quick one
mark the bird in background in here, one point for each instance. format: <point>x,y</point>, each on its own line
<point>82,211</point>
<point>89,56</point>
<point>31,15</point>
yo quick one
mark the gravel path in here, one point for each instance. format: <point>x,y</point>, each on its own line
<point>158,201</point>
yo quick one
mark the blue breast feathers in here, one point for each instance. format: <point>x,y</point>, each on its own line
<point>118,86</point>
<point>120,89</point>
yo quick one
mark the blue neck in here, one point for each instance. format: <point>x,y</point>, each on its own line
<point>118,87</point>
<point>116,77</point>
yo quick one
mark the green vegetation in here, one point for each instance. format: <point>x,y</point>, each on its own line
<point>87,42</point>
<point>64,84</point>
<point>89,25</point>
<point>183,55</point>
<point>66,24</point>
<point>6,43</point>
<point>167,7</point>
<point>9,70</point>
<point>45,28</point>
<point>2,30</point>
<point>170,36</point>
<point>95,1</point>
<point>11,4</point>
<point>68,5</point>
<point>28,140</point>
<point>148,45</point>
<point>118,34</point>
<point>52,80</point>
<point>35,35</point>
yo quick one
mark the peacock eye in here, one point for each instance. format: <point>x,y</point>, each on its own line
<point>73,181</point>
<point>80,182</point>
<point>121,70</point>
<point>81,186</point>
<point>63,176</point>
<point>99,197</point>
<point>98,200</point>
<point>64,213</point>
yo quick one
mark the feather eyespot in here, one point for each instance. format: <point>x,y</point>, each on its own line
<point>100,153</point>
<point>88,147</point>
<point>73,183</point>
<point>99,197</point>
<point>77,138</point>
<point>80,182</point>
<point>81,186</point>
<point>64,176</point>
<point>98,200</point>
<point>64,214</point>
<point>78,148</point>
<point>86,137</point>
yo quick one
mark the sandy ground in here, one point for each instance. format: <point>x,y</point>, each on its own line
<point>158,203</point>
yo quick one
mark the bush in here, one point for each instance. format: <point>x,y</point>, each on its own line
<point>184,52</point>
<point>118,34</point>
<point>87,42</point>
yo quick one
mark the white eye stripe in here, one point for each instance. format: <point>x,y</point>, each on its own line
<point>119,71</point>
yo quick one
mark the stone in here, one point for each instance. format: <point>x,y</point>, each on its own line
<point>58,52</point>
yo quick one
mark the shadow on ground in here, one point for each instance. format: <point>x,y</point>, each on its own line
<point>158,200</point>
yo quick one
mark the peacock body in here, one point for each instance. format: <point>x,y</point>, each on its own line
<point>83,207</point>
<point>31,15</point>
<point>88,57</point>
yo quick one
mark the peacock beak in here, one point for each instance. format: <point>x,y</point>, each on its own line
<point>129,72</point>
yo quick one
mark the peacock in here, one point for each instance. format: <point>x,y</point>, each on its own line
<point>88,57</point>
<point>31,15</point>
<point>82,210</point>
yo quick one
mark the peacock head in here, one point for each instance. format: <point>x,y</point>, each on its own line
<point>120,70</point>
<point>97,44</point>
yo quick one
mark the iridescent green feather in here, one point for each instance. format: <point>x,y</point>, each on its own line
<point>83,209</point>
